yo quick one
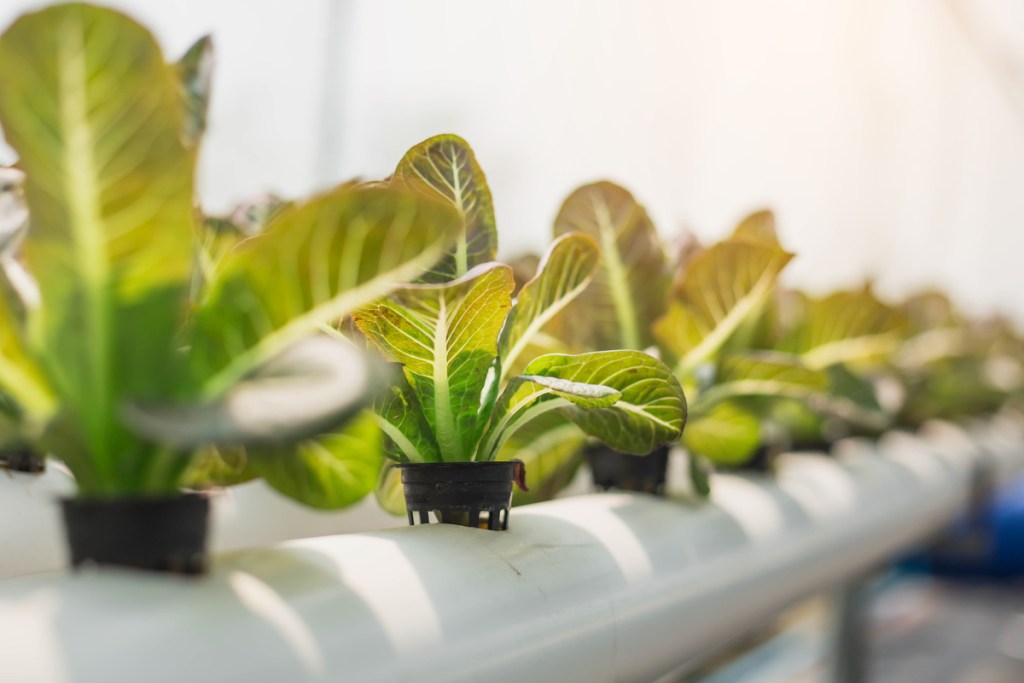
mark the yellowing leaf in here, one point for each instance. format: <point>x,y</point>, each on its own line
<point>628,288</point>
<point>758,227</point>
<point>95,116</point>
<point>445,168</point>
<point>846,327</point>
<point>723,287</point>
<point>314,264</point>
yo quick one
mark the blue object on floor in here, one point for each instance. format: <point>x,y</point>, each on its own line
<point>990,543</point>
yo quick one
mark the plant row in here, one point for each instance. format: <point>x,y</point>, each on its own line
<point>367,339</point>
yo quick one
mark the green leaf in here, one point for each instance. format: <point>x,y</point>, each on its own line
<point>22,381</point>
<point>763,373</point>
<point>408,436</point>
<point>13,210</point>
<point>723,287</point>
<point>550,447</point>
<point>314,264</point>
<point>629,285</point>
<point>21,378</point>
<point>847,385</point>
<point>310,387</point>
<point>563,274</point>
<point>95,116</point>
<point>195,71</point>
<point>444,167</point>
<point>220,235</point>
<point>446,337</point>
<point>650,408</point>
<point>725,435</point>
<point>328,472</point>
<point>700,474</point>
<point>853,399</point>
<point>223,466</point>
<point>390,493</point>
<point>846,327</point>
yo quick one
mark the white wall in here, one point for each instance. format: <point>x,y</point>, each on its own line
<point>875,129</point>
<point>888,136</point>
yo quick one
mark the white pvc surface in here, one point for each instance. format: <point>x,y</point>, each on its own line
<point>595,588</point>
<point>244,516</point>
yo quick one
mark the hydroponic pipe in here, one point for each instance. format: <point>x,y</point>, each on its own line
<point>593,588</point>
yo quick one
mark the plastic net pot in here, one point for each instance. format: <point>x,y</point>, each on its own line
<point>612,469</point>
<point>473,494</point>
<point>157,534</point>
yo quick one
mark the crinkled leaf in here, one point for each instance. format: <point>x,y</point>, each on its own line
<point>314,264</point>
<point>445,168</point>
<point>628,288</point>
<point>408,436</point>
<point>563,274</point>
<point>446,338</point>
<point>195,71</point>
<point>726,434</point>
<point>95,116</point>
<point>330,471</point>
<point>846,327</point>
<point>723,287</point>
<point>307,389</point>
<point>650,411</point>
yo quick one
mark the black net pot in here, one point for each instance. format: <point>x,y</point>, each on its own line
<point>612,469</point>
<point>156,534</point>
<point>20,458</point>
<point>473,494</point>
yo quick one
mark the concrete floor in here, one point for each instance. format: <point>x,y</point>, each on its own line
<point>934,631</point>
<point>921,630</point>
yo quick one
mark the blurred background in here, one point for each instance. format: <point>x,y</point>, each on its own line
<point>888,136</point>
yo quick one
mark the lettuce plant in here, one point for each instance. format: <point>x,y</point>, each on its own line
<point>699,310</point>
<point>127,365</point>
<point>950,367</point>
<point>848,337</point>
<point>456,336</point>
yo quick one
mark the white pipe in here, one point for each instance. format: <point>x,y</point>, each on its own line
<point>244,516</point>
<point>30,521</point>
<point>253,514</point>
<point>591,588</point>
